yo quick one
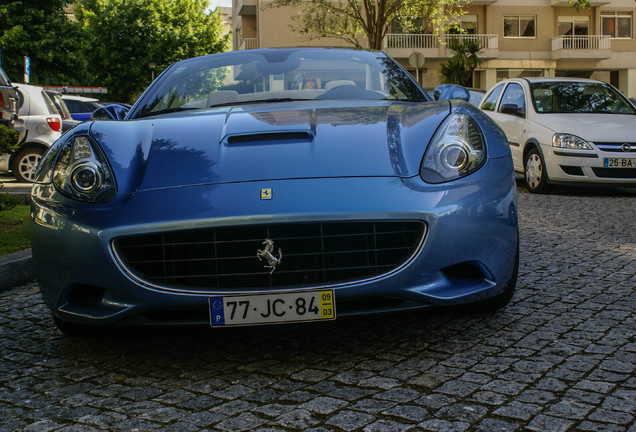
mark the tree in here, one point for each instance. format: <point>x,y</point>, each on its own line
<point>578,4</point>
<point>460,67</point>
<point>126,36</point>
<point>40,30</point>
<point>365,23</point>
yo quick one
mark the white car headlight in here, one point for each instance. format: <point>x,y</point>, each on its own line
<point>568,141</point>
<point>81,171</point>
<point>456,150</point>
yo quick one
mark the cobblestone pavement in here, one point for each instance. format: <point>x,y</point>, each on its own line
<point>560,357</point>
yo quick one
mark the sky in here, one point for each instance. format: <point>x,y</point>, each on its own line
<point>224,3</point>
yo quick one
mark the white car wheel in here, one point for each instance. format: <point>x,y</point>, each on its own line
<point>536,177</point>
<point>26,163</point>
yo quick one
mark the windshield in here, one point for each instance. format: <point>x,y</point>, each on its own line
<point>277,75</point>
<point>579,97</point>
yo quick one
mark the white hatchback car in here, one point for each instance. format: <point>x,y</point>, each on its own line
<point>566,131</point>
<point>43,124</point>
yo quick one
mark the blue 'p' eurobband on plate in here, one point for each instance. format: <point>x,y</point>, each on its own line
<point>271,186</point>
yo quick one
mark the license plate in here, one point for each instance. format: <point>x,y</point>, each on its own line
<point>272,308</point>
<point>619,163</point>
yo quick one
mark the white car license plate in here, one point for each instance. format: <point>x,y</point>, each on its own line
<point>619,163</point>
<point>272,308</point>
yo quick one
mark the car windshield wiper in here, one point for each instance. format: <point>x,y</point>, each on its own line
<point>164,111</point>
<point>255,101</point>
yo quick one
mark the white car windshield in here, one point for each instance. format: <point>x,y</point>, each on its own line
<point>277,75</point>
<point>578,97</point>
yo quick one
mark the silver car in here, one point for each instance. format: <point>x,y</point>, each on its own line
<point>43,125</point>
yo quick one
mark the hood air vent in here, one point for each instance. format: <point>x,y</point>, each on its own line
<point>269,137</point>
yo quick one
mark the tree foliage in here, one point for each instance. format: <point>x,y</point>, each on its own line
<point>125,36</point>
<point>460,67</point>
<point>365,23</point>
<point>578,4</point>
<point>8,139</point>
<point>40,30</point>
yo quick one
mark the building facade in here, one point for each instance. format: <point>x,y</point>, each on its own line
<point>518,38</point>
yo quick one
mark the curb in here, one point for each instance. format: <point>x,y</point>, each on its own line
<point>16,269</point>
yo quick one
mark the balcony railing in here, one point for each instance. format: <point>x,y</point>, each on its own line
<point>581,43</point>
<point>487,41</point>
<point>411,41</point>
<point>248,43</point>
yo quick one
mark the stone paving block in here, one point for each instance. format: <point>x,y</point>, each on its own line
<point>407,412</point>
<point>350,420</point>
<point>383,425</point>
<point>542,423</point>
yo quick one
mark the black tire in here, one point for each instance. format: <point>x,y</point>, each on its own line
<point>25,162</point>
<point>535,172</point>
<point>493,304</point>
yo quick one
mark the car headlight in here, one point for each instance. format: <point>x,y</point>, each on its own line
<point>456,150</point>
<point>568,141</point>
<point>81,171</point>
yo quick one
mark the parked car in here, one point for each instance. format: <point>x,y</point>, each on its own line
<point>67,121</point>
<point>81,107</point>
<point>43,124</point>
<point>231,194</point>
<point>566,131</point>
<point>9,98</point>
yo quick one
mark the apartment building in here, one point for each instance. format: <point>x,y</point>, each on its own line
<point>518,38</point>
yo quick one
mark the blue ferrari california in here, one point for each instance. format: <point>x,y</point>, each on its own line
<point>275,186</point>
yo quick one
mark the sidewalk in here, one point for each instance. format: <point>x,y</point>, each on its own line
<point>16,269</point>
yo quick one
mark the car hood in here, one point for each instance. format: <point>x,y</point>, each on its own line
<point>591,127</point>
<point>269,142</point>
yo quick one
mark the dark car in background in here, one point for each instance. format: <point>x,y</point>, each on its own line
<point>81,107</point>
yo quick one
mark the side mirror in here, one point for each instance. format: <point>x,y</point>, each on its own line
<point>451,91</point>
<point>110,112</point>
<point>511,109</point>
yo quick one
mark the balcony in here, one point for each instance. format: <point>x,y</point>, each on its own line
<point>246,7</point>
<point>581,48</point>
<point>248,43</point>
<point>403,45</point>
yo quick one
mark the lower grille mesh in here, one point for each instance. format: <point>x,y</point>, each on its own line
<point>617,173</point>
<point>311,254</point>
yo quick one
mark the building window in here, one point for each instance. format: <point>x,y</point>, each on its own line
<point>573,26</point>
<point>522,26</point>
<point>618,25</point>
<point>466,24</point>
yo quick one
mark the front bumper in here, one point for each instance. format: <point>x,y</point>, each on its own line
<point>572,167</point>
<point>471,224</point>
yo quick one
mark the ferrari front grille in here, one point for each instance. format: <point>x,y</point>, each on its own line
<point>264,257</point>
